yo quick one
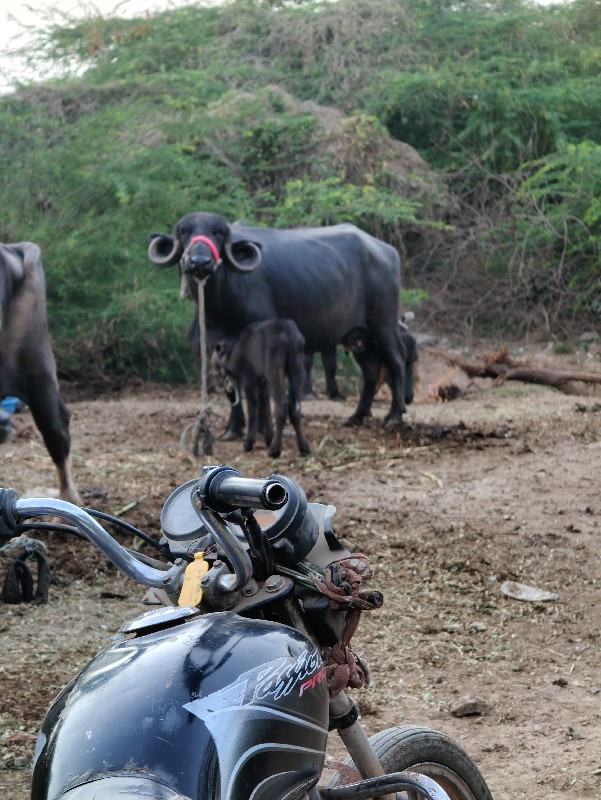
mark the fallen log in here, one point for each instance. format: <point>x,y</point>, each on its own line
<point>500,366</point>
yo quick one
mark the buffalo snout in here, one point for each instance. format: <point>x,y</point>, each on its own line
<point>199,265</point>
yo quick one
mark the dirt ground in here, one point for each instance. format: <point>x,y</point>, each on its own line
<point>500,484</point>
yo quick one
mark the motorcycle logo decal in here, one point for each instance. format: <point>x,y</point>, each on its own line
<point>275,679</point>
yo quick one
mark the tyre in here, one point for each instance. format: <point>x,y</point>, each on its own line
<point>432,754</point>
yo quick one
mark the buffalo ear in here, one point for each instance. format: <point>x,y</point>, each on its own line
<point>243,256</point>
<point>164,250</point>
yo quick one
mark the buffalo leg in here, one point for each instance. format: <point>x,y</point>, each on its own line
<point>329,367</point>
<point>52,420</point>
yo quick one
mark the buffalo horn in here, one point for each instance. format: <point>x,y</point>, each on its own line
<point>243,256</point>
<point>164,250</point>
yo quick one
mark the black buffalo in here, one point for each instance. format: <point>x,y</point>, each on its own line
<point>27,365</point>
<point>257,363</point>
<point>328,280</point>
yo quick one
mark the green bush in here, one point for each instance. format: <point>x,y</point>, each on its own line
<point>216,108</point>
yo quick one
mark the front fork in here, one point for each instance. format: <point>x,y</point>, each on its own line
<point>344,718</point>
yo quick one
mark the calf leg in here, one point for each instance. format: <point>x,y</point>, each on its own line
<point>329,367</point>
<point>52,419</point>
<point>295,374</point>
<point>295,418</point>
<point>409,344</point>
<point>265,414</point>
<point>394,355</point>
<point>308,391</point>
<point>363,409</point>
<point>369,360</point>
<point>409,382</point>
<point>280,407</point>
<point>252,407</point>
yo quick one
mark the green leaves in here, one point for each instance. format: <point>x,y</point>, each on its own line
<point>560,212</point>
<point>280,113</point>
<point>330,201</point>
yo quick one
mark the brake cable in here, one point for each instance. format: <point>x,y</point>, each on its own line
<point>61,528</point>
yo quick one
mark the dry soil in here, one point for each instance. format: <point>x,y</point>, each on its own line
<point>500,484</point>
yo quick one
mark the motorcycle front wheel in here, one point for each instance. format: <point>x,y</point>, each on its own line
<point>432,754</point>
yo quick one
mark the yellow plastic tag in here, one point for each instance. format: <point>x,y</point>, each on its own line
<point>191,592</point>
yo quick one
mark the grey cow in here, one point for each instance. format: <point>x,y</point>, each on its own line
<point>27,365</point>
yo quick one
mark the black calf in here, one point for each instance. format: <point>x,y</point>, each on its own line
<point>257,363</point>
<point>373,367</point>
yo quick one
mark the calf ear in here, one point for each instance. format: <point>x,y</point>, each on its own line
<point>164,250</point>
<point>243,256</point>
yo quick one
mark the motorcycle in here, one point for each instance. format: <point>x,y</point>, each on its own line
<point>227,688</point>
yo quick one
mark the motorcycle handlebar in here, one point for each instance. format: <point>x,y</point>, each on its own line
<point>16,509</point>
<point>220,490</point>
<point>224,489</point>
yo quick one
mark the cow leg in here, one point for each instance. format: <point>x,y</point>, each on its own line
<point>329,367</point>
<point>252,407</point>
<point>52,420</point>
<point>308,391</point>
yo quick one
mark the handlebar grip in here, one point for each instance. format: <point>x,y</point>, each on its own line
<point>224,489</point>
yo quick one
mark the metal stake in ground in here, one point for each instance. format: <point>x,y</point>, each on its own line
<point>202,427</point>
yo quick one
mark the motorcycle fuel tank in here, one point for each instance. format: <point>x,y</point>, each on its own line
<point>216,708</point>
